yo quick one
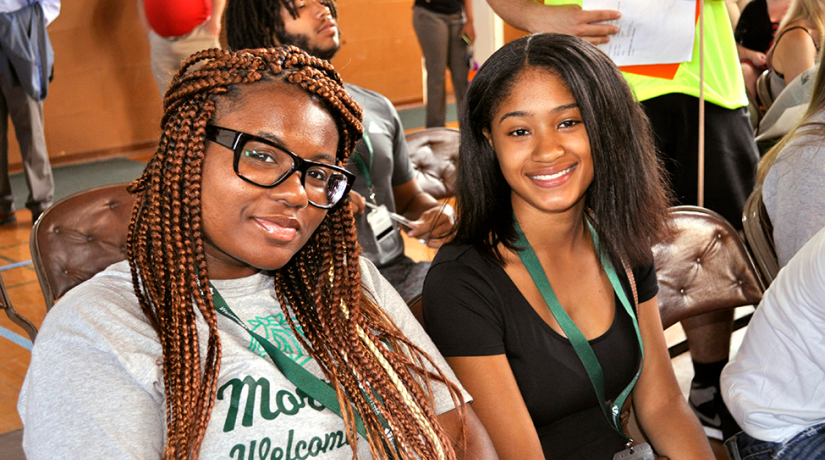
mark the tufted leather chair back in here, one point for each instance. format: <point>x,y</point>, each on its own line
<point>434,153</point>
<point>704,267</point>
<point>759,237</point>
<point>78,237</point>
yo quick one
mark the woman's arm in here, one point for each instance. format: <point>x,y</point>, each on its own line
<point>475,443</point>
<point>794,54</point>
<point>499,405</point>
<point>90,390</point>
<point>565,19</point>
<point>793,187</point>
<point>661,410</point>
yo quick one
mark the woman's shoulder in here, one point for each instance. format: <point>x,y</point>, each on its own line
<point>105,304</point>
<point>463,254</point>
<point>796,33</point>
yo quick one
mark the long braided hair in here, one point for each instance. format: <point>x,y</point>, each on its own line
<point>358,347</point>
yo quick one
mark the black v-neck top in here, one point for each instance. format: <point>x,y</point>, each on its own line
<point>473,308</point>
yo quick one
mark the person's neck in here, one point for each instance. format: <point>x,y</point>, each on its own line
<point>555,235</point>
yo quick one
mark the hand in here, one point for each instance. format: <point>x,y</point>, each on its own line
<point>357,202</point>
<point>572,20</point>
<point>470,31</point>
<point>758,59</point>
<point>434,225</point>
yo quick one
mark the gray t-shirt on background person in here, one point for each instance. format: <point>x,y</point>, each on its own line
<point>95,388</point>
<point>794,191</point>
<point>391,167</point>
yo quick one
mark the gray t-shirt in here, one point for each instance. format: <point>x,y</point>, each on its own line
<point>95,388</point>
<point>390,167</point>
<point>794,191</point>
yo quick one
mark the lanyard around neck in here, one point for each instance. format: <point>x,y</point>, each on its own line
<point>610,409</point>
<point>316,388</point>
<point>365,164</point>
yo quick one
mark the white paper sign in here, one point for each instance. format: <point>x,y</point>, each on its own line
<point>650,31</point>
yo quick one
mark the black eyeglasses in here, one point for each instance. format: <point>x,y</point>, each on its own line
<point>261,162</point>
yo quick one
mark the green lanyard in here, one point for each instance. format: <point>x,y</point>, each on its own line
<point>364,165</point>
<point>316,388</point>
<point>580,344</point>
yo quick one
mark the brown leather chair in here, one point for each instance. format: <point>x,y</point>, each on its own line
<point>434,153</point>
<point>759,237</point>
<point>705,267</point>
<point>78,237</point>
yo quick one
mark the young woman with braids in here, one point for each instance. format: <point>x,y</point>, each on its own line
<point>243,288</point>
<point>557,304</point>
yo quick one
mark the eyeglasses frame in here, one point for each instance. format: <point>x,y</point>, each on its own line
<point>234,140</point>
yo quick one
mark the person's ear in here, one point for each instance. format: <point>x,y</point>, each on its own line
<point>489,136</point>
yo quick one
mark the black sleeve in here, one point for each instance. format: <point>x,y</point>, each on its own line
<point>462,311</point>
<point>646,283</point>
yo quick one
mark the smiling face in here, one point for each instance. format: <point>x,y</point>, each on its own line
<point>246,227</point>
<point>314,30</point>
<point>542,145</point>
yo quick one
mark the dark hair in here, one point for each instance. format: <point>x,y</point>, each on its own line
<point>258,23</point>
<point>627,199</point>
<point>354,342</point>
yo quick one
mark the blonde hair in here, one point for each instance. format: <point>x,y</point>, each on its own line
<point>812,10</point>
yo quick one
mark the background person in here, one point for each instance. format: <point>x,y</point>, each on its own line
<point>797,43</point>
<point>176,30</point>
<point>26,61</point>
<point>551,129</point>
<point>440,26</point>
<point>754,34</point>
<point>773,385</point>
<point>380,163</point>
<point>232,263</point>
<point>792,179</point>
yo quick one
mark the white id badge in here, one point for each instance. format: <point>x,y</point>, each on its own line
<point>380,222</point>
<point>641,451</point>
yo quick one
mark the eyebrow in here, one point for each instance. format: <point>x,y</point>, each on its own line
<point>519,113</point>
<point>279,143</point>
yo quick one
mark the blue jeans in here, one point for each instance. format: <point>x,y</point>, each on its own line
<point>807,445</point>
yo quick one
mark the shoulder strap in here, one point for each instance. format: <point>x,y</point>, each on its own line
<point>776,42</point>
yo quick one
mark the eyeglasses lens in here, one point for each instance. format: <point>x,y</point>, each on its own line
<point>266,165</point>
